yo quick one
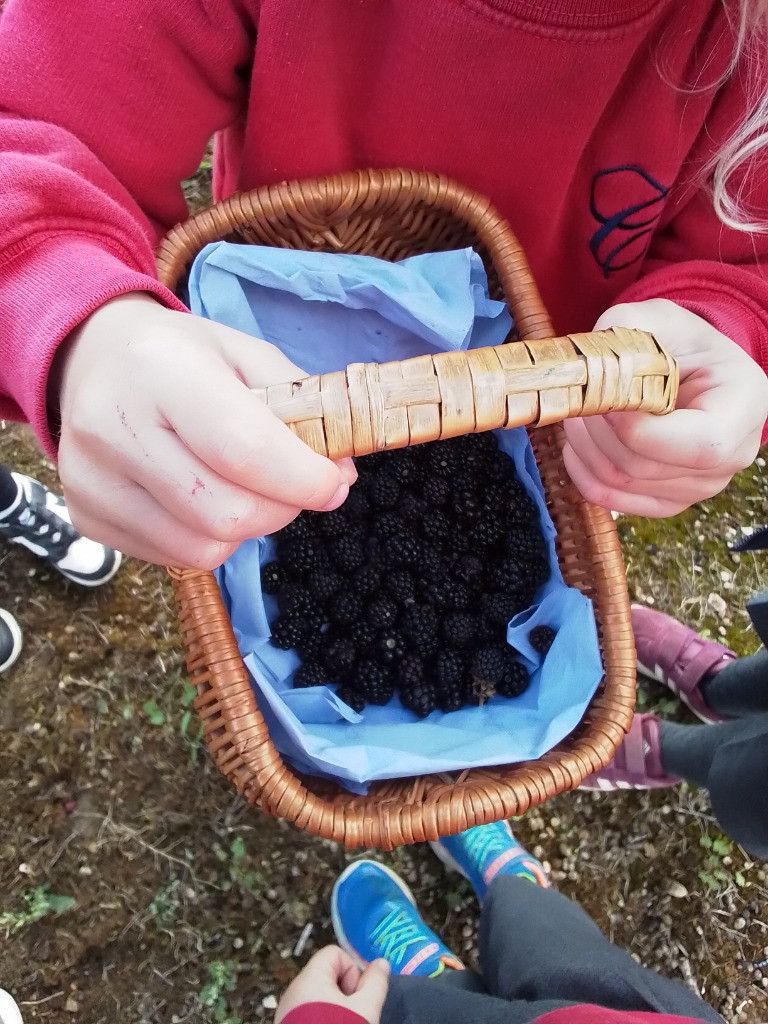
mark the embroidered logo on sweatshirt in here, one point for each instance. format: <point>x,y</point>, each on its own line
<point>626,203</point>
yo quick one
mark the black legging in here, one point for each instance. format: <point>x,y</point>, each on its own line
<point>538,952</point>
<point>731,761</point>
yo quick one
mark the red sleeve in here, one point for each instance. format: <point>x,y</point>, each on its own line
<point>719,273</point>
<point>97,133</point>
<point>322,1013</point>
<point>586,1014</point>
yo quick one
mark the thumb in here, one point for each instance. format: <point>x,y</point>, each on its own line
<point>372,989</point>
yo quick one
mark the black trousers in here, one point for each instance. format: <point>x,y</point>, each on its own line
<point>8,488</point>
<point>538,952</point>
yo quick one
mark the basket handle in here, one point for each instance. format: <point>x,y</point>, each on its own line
<point>374,406</point>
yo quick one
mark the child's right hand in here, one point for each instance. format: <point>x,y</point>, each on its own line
<point>332,977</point>
<point>165,453</point>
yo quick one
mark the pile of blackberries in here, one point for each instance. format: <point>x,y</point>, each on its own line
<point>409,586</point>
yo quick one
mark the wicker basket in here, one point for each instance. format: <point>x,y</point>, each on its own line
<point>391,215</point>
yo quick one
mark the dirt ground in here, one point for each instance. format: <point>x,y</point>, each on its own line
<point>135,886</point>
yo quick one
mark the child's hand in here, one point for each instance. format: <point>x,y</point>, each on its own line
<point>659,465</point>
<point>165,452</point>
<point>331,976</point>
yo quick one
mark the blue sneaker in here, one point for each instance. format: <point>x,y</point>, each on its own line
<point>374,915</point>
<point>485,851</point>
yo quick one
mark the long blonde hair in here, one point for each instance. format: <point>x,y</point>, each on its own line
<point>750,139</point>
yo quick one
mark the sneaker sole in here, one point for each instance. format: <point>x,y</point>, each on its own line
<point>9,1011</point>
<point>18,643</point>
<point>341,936</point>
<point>82,582</point>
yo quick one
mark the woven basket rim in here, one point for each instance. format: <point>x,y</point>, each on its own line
<point>399,811</point>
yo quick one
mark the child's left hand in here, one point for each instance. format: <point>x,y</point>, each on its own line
<point>657,466</point>
<point>331,976</point>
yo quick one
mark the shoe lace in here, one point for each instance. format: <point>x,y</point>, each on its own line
<point>42,522</point>
<point>395,933</point>
<point>485,844</point>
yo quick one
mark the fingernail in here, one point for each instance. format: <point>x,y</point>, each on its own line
<point>383,964</point>
<point>338,499</point>
<point>348,470</point>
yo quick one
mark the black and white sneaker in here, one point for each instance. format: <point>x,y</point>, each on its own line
<point>40,522</point>
<point>10,644</point>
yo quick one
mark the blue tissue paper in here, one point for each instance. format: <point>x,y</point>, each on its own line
<point>325,311</point>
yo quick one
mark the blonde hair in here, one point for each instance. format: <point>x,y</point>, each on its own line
<point>750,139</point>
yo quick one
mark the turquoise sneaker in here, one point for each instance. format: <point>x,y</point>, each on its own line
<point>374,915</point>
<point>483,852</point>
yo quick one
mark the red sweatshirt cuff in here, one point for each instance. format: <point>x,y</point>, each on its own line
<point>322,1013</point>
<point>47,290</point>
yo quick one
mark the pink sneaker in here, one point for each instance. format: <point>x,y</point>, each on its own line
<point>637,763</point>
<point>677,656</point>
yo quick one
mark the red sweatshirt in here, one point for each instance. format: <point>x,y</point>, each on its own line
<point>578,118</point>
<point>325,1013</point>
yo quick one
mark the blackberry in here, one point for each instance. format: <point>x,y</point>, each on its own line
<point>459,629</point>
<point>508,575</point>
<point>537,572</point>
<point>367,580</point>
<point>449,670</point>
<point>384,491</point>
<point>287,631</point>
<point>348,553</point>
<point>488,665</point>
<point>421,699</point>
<point>515,682</point>
<point>340,656</point>
<point>410,672</point>
<point>351,698</point>
<point>526,544</point>
<point>388,524</point>
<point>300,557</point>
<point>451,594</point>
<point>444,459</point>
<point>467,505</point>
<point>401,585</point>
<point>541,638</point>
<point>405,467</point>
<point>451,698</point>
<point>435,526</point>
<point>390,647</point>
<point>471,570</point>
<point>344,608</point>
<point>322,584</point>
<point>294,598</point>
<point>333,524</point>
<point>309,673</point>
<point>374,682</point>
<point>488,531</point>
<point>419,625</point>
<point>310,646</point>
<point>298,529</point>
<point>432,564</point>
<point>499,608</point>
<point>403,551</point>
<point>411,508</point>
<point>272,576</point>
<point>382,612</point>
<point>436,490</point>
<point>362,634</point>
<point>356,506</point>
